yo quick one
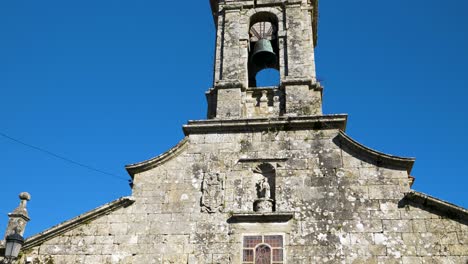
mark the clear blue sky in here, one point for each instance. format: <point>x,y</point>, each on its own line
<point>108,83</point>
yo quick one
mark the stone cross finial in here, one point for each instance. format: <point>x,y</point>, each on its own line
<point>19,217</point>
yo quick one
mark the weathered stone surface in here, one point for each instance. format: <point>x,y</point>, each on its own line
<point>324,197</point>
<point>340,216</point>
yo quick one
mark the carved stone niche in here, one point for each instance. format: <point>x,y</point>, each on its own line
<point>265,176</point>
<point>264,190</point>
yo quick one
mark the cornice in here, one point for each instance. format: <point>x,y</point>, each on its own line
<point>66,226</point>
<point>265,124</point>
<point>379,157</point>
<point>427,201</point>
<point>132,169</point>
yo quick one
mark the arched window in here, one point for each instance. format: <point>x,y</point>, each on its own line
<point>261,249</point>
<point>263,254</point>
<point>264,49</point>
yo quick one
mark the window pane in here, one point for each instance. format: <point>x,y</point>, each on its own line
<point>248,255</point>
<point>274,241</point>
<point>252,241</point>
<point>263,255</point>
<point>263,249</point>
<point>277,255</point>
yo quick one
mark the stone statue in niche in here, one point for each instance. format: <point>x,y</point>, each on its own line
<point>212,199</point>
<point>263,189</point>
<point>265,186</point>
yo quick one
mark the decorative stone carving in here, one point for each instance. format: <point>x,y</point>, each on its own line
<point>19,217</point>
<point>263,189</point>
<point>212,200</point>
<point>265,197</point>
<point>263,205</point>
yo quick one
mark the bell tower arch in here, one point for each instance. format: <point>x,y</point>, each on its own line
<point>264,48</point>
<point>257,35</point>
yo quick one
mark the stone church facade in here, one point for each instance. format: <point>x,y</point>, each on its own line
<point>266,178</point>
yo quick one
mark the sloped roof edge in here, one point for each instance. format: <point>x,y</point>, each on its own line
<point>438,204</point>
<point>66,226</point>
<point>396,161</point>
<point>132,169</point>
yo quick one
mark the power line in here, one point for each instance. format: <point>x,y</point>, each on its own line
<point>62,157</point>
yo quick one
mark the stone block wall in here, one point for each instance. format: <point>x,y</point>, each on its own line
<point>345,208</point>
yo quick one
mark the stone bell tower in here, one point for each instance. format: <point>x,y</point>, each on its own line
<point>259,34</point>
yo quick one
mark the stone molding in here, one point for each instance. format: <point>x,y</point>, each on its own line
<point>248,217</point>
<point>261,160</point>
<point>380,157</point>
<point>66,226</point>
<point>228,84</point>
<point>313,85</point>
<point>302,81</point>
<point>132,169</point>
<point>266,124</point>
<point>427,201</point>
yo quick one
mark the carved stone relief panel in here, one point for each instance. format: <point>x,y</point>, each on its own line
<point>212,199</point>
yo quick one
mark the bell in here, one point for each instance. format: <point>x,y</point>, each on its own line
<point>263,55</point>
